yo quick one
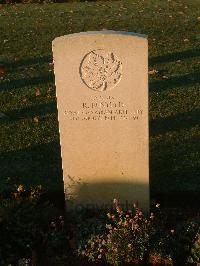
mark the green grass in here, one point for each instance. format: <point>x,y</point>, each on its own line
<point>29,150</point>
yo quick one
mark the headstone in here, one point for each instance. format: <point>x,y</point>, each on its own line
<point>102,99</point>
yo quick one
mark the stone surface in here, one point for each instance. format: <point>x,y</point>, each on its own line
<point>102,99</point>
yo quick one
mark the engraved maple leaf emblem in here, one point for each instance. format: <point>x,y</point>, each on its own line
<point>100,70</point>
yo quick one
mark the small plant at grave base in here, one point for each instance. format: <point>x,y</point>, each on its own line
<point>188,239</point>
<point>126,239</point>
<point>194,257</point>
<point>31,230</point>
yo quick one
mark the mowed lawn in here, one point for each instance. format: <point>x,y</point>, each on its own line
<point>29,135</point>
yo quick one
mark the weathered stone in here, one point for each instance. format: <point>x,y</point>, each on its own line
<point>102,98</point>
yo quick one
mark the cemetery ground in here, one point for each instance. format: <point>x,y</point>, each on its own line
<point>29,146</point>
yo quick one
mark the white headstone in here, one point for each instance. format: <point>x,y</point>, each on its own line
<point>102,99</point>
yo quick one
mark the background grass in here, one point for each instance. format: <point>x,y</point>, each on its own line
<point>29,138</point>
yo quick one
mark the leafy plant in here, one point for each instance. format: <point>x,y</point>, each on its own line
<point>127,238</point>
<point>194,257</point>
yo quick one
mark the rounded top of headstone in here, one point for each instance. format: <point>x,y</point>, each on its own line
<point>102,32</point>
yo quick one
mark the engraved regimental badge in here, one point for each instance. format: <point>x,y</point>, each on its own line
<point>101,70</point>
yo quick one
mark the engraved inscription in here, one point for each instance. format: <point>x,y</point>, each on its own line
<point>99,108</point>
<point>101,70</point>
